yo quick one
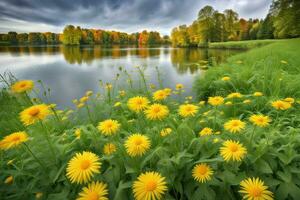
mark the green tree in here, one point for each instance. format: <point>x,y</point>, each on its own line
<point>12,37</point>
<point>206,22</point>
<point>71,35</point>
<point>266,30</point>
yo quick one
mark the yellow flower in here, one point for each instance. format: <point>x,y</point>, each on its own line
<point>22,86</point>
<point>84,99</point>
<point>38,195</point>
<point>149,186</point>
<point>80,105</point>
<point>34,113</point>
<point>9,180</point>
<point>157,112</point>
<point>152,86</point>
<point>89,93</point>
<point>289,100</point>
<point>239,62</point>
<point>187,110</point>
<point>202,172</point>
<point>83,166</point>
<point>206,131</point>
<point>284,62</point>
<point>255,189</point>
<point>260,120</point>
<point>109,148</point>
<point>53,105</point>
<point>137,144</point>
<point>226,78</point>
<point>122,93</point>
<point>138,103</point>
<point>189,98</point>
<point>77,133</point>
<point>179,86</point>
<point>75,101</point>
<point>94,191</point>
<point>168,91</point>
<point>109,127</point>
<point>232,150</point>
<point>281,105</point>
<point>108,86</point>
<point>10,162</point>
<point>160,95</point>
<point>201,103</point>
<point>166,131</point>
<point>228,103</point>
<point>13,140</point>
<point>216,101</point>
<point>117,104</point>
<point>216,140</point>
<point>247,101</point>
<point>235,95</point>
<point>234,125</point>
<point>257,94</point>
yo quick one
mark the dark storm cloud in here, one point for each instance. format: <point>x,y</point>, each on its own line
<point>125,15</point>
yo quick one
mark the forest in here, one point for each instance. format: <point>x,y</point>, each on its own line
<point>72,35</point>
<point>282,21</point>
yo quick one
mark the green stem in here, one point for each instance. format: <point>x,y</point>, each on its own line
<point>48,140</point>
<point>34,156</point>
<point>252,136</point>
<point>89,113</point>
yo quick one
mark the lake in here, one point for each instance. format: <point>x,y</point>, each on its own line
<point>70,71</point>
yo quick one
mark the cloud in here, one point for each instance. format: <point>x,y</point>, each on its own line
<point>122,15</point>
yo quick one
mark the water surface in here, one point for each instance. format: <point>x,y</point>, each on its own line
<point>70,71</point>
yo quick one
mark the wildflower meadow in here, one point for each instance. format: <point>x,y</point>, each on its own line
<point>149,143</point>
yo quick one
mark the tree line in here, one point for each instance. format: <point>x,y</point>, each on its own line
<point>77,36</point>
<point>282,21</point>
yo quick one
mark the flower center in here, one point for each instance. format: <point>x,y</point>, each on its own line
<point>151,185</point>
<point>93,196</point>
<point>156,110</point>
<point>235,124</point>
<point>23,85</point>
<point>139,102</point>
<point>188,109</point>
<point>109,125</point>
<point>34,112</point>
<point>138,142</point>
<point>202,170</point>
<point>16,138</point>
<point>85,164</point>
<point>233,148</point>
<point>255,192</point>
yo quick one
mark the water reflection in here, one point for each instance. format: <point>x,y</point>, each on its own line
<point>70,71</point>
<point>183,59</point>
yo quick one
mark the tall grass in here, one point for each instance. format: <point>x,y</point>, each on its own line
<point>273,69</point>
<point>249,44</point>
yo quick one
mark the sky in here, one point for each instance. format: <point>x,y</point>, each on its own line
<point>121,15</point>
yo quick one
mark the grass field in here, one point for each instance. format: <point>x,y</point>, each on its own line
<point>250,44</point>
<point>154,143</point>
<point>272,69</point>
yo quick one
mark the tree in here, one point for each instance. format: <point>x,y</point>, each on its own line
<point>22,38</point>
<point>12,37</point>
<point>34,38</point>
<point>286,15</point>
<point>71,35</point>
<point>266,30</point>
<point>231,24</point>
<point>205,18</point>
